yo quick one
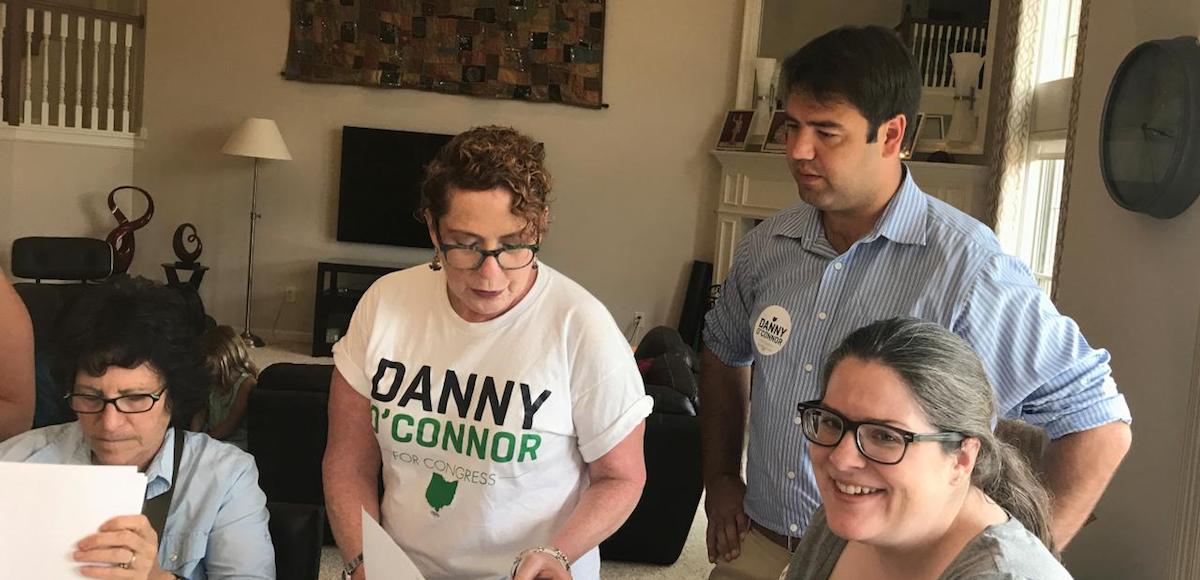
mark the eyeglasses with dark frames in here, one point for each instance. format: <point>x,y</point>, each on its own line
<point>127,404</point>
<point>878,442</point>
<point>509,256</point>
<point>470,257</point>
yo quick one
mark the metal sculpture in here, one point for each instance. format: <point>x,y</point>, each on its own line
<point>181,251</point>
<point>121,238</point>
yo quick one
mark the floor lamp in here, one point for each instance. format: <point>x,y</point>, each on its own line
<point>260,139</point>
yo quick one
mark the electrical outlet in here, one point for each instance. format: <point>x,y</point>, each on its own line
<point>289,294</point>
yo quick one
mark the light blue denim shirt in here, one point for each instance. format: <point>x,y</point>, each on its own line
<point>790,299</point>
<point>217,526</point>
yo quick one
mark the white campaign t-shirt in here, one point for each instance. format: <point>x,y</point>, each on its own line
<point>486,428</point>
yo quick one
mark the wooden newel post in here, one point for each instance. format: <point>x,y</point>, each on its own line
<point>14,52</point>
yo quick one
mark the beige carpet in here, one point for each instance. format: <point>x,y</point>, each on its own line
<point>692,564</point>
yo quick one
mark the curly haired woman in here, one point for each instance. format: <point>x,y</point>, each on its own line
<point>498,397</point>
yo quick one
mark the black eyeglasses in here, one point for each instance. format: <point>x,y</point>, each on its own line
<point>875,441</point>
<point>509,256</point>
<point>128,404</point>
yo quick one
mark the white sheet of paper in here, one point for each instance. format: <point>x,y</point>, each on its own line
<point>381,554</point>
<point>47,509</point>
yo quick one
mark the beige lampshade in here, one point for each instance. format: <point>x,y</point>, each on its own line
<point>257,138</point>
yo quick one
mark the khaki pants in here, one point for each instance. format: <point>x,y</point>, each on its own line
<point>761,559</point>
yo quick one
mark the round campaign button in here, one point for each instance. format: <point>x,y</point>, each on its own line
<point>772,330</point>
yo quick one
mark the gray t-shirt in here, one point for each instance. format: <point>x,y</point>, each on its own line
<point>1001,552</point>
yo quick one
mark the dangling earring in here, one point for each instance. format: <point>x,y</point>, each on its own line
<point>535,265</point>
<point>436,263</point>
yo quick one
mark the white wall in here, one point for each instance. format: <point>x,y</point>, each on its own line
<point>51,189</point>
<point>635,185</point>
<point>1133,283</point>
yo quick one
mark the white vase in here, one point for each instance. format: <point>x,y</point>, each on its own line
<point>966,67</point>
<point>764,75</point>
<point>963,121</point>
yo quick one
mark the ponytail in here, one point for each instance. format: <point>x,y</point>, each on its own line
<point>1004,475</point>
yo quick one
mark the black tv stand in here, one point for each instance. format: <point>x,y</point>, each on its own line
<point>337,297</point>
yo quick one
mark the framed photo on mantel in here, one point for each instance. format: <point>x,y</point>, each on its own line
<point>777,134</point>
<point>735,130</point>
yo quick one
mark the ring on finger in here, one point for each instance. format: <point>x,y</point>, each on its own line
<point>129,564</point>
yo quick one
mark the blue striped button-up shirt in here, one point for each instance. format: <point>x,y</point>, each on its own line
<point>790,299</point>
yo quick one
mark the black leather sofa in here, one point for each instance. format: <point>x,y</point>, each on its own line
<point>658,527</point>
<point>286,425</point>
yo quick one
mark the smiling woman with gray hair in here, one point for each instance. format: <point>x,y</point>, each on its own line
<point>913,481</point>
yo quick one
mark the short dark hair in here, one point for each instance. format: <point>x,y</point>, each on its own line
<point>126,322</point>
<point>868,67</point>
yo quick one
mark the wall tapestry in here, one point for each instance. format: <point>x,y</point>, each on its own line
<point>533,50</point>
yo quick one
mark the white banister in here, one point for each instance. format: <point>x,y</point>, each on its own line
<point>45,72</point>
<point>125,111</point>
<point>81,30</point>
<point>926,50</point>
<point>28,109</point>
<point>95,73</point>
<point>943,47</point>
<point>931,55</point>
<point>932,45</point>
<point>44,43</point>
<point>64,31</point>
<point>112,75</point>
<point>955,40</point>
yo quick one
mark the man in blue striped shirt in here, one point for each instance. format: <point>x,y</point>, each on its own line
<point>868,244</point>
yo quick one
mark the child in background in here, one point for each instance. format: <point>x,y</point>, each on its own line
<point>233,375</point>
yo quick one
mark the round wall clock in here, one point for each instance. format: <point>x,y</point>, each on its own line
<point>1150,131</point>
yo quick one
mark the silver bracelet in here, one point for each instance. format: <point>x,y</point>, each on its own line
<point>551,550</point>
<point>352,566</point>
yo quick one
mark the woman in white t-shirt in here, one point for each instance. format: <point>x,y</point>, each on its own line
<point>498,397</point>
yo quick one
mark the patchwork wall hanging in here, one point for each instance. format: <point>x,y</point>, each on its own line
<point>533,50</point>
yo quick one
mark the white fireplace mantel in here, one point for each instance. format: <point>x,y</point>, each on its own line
<point>756,185</point>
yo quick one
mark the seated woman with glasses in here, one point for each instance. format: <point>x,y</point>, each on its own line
<point>914,484</point>
<point>130,354</point>
<point>498,396</point>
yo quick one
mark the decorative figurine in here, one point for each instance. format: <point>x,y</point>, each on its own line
<point>121,238</point>
<point>186,257</point>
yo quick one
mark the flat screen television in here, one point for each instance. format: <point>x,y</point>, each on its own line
<point>380,189</point>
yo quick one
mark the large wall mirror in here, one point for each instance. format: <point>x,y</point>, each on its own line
<point>789,24</point>
<point>934,29</point>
